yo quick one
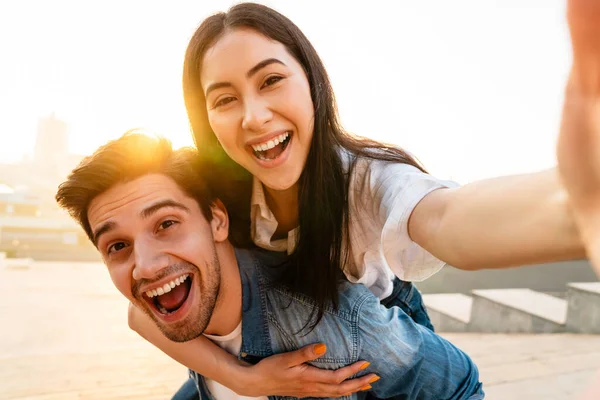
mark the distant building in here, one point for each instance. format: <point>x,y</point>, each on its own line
<point>31,224</point>
<point>52,142</point>
<point>19,204</point>
<point>26,232</point>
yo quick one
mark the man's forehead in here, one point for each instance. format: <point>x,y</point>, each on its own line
<point>133,196</point>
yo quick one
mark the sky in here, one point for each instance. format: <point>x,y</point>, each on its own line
<point>473,88</point>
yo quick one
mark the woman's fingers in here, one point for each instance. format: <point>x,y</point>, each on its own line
<point>345,388</point>
<point>314,374</point>
<point>288,374</point>
<point>302,355</point>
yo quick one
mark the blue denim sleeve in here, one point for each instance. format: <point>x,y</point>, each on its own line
<point>412,361</point>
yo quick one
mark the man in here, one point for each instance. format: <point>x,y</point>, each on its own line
<point>163,236</point>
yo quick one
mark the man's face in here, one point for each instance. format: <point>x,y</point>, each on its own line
<point>160,252</point>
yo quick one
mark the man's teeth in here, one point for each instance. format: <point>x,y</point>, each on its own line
<point>166,288</point>
<point>271,143</point>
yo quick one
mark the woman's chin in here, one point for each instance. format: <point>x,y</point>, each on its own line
<point>280,184</point>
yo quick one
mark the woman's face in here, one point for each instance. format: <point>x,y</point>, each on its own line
<point>259,106</point>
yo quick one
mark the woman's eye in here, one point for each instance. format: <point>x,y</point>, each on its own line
<point>166,224</point>
<point>116,247</point>
<point>224,101</point>
<point>271,81</point>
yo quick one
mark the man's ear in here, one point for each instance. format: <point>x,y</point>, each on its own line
<point>220,221</point>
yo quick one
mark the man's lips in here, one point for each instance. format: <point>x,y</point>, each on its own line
<point>166,303</point>
<point>165,286</point>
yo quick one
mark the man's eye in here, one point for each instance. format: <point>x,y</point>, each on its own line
<point>116,247</point>
<point>166,224</point>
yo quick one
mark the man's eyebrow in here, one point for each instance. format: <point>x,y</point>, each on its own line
<point>104,228</point>
<point>249,74</point>
<point>145,213</point>
<point>148,211</point>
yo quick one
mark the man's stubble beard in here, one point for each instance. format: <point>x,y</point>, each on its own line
<point>198,318</point>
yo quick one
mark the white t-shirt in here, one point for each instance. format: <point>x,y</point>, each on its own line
<point>381,198</point>
<point>232,343</point>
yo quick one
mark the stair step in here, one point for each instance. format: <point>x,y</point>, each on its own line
<point>517,310</point>
<point>455,305</point>
<point>591,287</point>
<point>449,312</point>
<point>583,314</point>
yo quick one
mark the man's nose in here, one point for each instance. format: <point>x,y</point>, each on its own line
<point>256,114</point>
<point>149,261</point>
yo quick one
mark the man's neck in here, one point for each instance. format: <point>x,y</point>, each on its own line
<point>227,313</point>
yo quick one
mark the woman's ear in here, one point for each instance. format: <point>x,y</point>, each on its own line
<point>220,221</point>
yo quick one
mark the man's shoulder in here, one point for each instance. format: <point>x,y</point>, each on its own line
<point>351,298</point>
<point>257,259</point>
<point>267,266</point>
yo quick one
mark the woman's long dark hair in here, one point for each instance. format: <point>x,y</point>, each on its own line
<point>316,263</point>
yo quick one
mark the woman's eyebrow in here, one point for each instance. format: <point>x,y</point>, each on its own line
<point>251,72</point>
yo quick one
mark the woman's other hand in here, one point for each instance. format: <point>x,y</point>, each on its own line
<point>288,374</point>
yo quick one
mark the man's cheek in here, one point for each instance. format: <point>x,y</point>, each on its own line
<point>189,246</point>
<point>123,284</point>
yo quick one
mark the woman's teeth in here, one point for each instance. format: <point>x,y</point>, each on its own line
<point>271,143</point>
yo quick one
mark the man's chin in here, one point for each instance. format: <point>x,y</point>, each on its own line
<point>180,334</point>
<point>179,331</point>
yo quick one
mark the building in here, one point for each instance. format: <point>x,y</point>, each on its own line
<point>25,232</point>
<point>51,145</point>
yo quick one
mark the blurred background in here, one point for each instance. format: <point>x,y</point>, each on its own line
<point>473,88</point>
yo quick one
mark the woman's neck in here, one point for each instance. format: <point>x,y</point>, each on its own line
<point>284,206</point>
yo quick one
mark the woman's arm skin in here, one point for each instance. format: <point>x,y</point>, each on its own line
<point>499,222</point>
<point>579,163</point>
<point>282,374</point>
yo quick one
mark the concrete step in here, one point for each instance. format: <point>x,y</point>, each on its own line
<point>583,313</point>
<point>517,311</point>
<point>449,312</point>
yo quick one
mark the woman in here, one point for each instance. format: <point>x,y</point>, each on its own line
<point>264,118</point>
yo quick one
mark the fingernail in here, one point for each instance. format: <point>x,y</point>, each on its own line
<point>374,379</point>
<point>366,387</point>
<point>365,365</point>
<point>320,349</point>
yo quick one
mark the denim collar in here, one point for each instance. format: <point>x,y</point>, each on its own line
<point>256,342</point>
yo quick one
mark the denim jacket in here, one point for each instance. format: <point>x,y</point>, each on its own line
<point>412,361</point>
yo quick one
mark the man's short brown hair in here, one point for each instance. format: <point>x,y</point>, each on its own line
<point>131,156</point>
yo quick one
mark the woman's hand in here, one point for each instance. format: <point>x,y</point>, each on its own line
<point>578,148</point>
<point>288,374</point>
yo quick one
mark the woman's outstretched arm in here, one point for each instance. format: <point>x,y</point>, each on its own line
<point>499,222</point>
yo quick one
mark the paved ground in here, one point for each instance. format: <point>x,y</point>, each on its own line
<point>64,336</point>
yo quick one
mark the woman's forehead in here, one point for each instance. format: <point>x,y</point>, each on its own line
<point>237,51</point>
